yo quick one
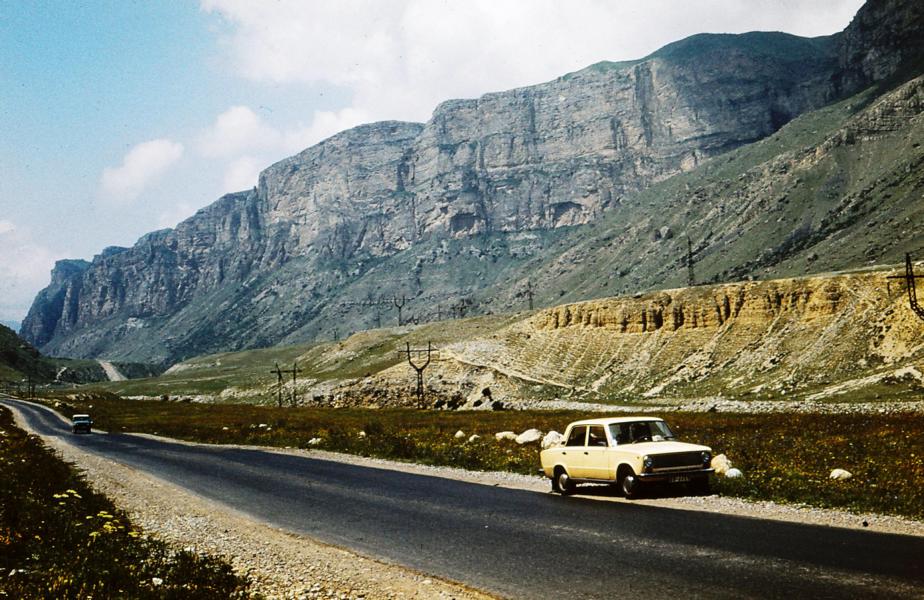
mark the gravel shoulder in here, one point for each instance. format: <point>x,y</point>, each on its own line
<point>281,565</point>
<point>284,565</point>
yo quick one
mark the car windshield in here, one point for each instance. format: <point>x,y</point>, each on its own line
<point>640,431</point>
<point>81,419</point>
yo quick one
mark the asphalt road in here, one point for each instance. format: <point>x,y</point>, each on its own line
<point>525,544</point>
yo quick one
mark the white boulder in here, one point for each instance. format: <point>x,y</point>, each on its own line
<point>505,435</point>
<point>840,474</point>
<point>474,437</point>
<point>552,438</point>
<point>459,434</point>
<point>314,441</point>
<point>734,473</point>
<point>529,436</point>
<point>721,464</point>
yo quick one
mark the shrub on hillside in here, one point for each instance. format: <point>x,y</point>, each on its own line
<point>59,539</point>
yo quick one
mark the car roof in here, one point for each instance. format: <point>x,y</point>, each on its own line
<point>81,417</point>
<point>609,420</point>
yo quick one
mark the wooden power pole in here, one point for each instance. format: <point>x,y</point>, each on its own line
<point>910,286</point>
<point>418,368</point>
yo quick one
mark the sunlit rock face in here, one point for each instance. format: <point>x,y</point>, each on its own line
<point>262,266</point>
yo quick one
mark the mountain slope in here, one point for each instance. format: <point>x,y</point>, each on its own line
<point>815,343</point>
<point>19,360</point>
<point>552,182</point>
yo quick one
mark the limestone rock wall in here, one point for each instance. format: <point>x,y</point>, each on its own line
<point>544,157</point>
<point>791,334</point>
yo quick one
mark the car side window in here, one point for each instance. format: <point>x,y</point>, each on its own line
<point>620,432</point>
<point>577,435</point>
<point>596,436</point>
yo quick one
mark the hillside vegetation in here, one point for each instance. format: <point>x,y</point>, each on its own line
<point>20,362</point>
<point>764,345</point>
<point>60,539</point>
<point>786,458</point>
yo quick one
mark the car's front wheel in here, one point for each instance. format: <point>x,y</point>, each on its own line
<point>561,482</point>
<point>630,486</point>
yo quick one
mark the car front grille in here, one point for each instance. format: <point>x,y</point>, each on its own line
<point>679,460</point>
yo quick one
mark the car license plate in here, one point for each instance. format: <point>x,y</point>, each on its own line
<point>680,479</point>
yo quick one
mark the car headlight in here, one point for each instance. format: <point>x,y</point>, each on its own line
<point>707,458</point>
<point>647,462</point>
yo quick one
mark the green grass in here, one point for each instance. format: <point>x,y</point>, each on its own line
<point>785,457</point>
<point>364,353</point>
<point>59,539</point>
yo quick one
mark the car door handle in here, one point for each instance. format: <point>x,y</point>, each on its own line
<point>585,452</point>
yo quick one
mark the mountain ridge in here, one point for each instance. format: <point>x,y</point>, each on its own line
<point>520,168</point>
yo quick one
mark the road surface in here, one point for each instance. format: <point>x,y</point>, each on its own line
<point>111,371</point>
<point>523,544</point>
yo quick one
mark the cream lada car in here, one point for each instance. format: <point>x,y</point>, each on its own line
<point>627,451</point>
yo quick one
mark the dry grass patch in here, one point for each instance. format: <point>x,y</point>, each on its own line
<point>785,457</point>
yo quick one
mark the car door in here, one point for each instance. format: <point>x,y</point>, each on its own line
<point>573,454</point>
<point>596,453</point>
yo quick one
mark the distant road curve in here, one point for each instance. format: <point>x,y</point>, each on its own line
<point>522,544</point>
<point>111,372</point>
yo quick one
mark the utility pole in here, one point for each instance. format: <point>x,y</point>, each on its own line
<point>419,369</point>
<point>399,306</point>
<point>910,286</point>
<point>691,277</point>
<point>294,372</point>
<point>461,307</point>
<point>529,293</point>
<point>278,373</point>
<point>30,386</point>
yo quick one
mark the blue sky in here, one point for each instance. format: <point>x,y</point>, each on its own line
<point>119,117</point>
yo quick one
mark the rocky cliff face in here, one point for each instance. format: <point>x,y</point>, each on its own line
<point>386,208</point>
<point>884,39</point>
<point>55,307</point>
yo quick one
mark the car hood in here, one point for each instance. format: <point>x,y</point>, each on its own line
<point>665,447</point>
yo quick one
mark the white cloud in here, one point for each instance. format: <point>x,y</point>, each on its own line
<point>242,173</point>
<point>324,123</point>
<point>175,214</point>
<point>246,144</point>
<point>400,58</point>
<point>238,129</point>
<point>142,165</point>
<point>24,270</point>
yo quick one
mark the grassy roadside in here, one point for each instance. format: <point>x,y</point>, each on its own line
<point>785,457</point>
<point>59,539</point>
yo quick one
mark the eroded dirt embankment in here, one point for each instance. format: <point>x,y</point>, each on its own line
<point>809,339</point>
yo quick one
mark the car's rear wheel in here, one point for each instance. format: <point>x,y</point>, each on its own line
<point>561,482</point>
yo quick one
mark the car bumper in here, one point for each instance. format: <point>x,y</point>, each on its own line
<point>675,476</point>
